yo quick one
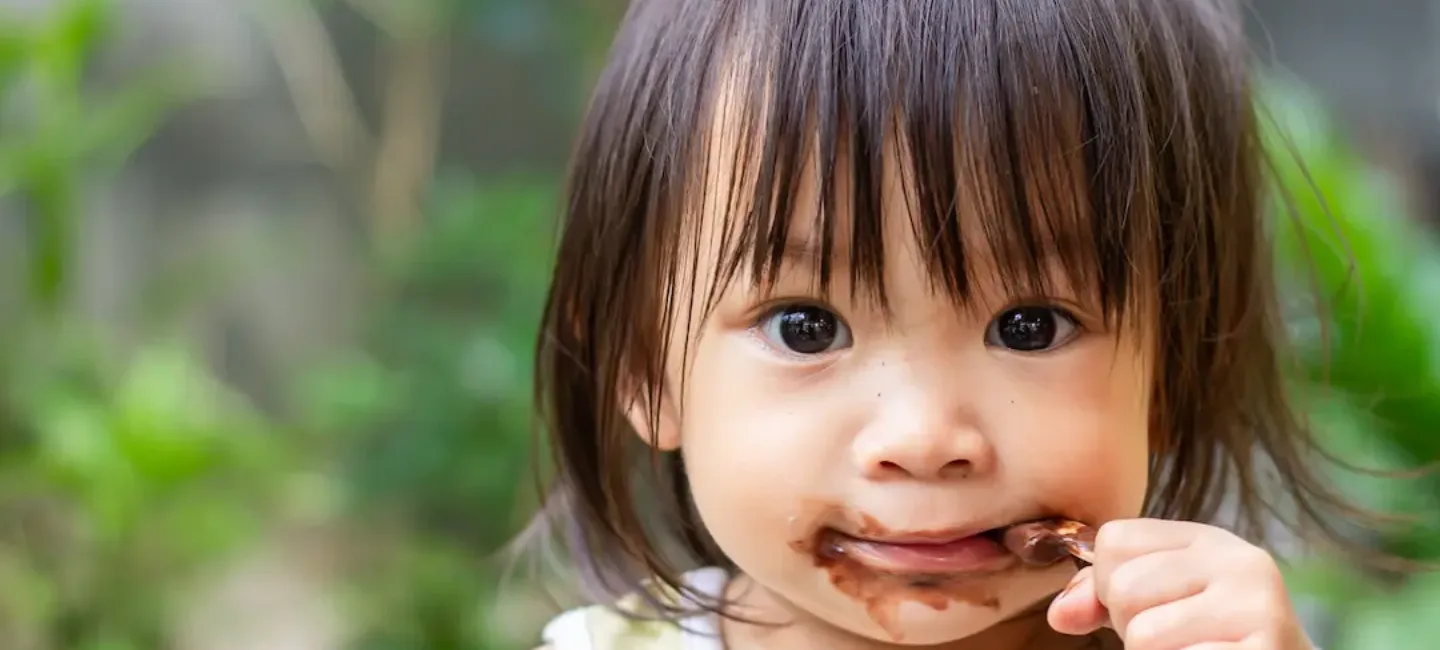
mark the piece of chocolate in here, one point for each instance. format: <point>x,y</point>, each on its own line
<point>1048,541</point>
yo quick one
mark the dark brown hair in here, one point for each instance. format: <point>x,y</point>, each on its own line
<point>1119,135</point>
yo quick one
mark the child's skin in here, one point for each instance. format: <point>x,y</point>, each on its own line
<point>927,421</point>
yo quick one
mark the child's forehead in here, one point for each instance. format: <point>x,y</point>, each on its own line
<point>831,208</point>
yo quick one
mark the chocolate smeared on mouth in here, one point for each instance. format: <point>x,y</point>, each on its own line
<point>1045,542</point>
<point>881,593</point>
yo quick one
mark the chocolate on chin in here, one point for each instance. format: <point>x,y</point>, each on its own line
<point>1048,541</point>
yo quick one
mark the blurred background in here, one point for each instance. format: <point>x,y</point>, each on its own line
<point>270,272</point>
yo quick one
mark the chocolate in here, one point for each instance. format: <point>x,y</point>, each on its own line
<point>881,593</point>
<point>1048,541</point>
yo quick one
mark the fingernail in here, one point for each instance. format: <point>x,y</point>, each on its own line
<point>1069,588</point>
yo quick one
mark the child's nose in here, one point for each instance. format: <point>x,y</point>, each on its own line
<point>924,443</point>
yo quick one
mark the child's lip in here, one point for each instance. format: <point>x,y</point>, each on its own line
<point>921,537</point>
<point>943,552</point>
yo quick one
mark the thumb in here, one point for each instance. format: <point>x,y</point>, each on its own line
<point>1077,610</point>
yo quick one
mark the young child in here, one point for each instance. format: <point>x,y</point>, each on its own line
<point>848,286</point>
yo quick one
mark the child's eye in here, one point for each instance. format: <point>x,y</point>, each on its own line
<point>1031,329</point>
<point>805,329</point>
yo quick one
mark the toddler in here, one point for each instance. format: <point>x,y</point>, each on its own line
<point>848,287</point>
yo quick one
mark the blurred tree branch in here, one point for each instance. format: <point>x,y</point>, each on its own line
<point>405,160</point>
<point>397,162</point>
<point>313,75</point>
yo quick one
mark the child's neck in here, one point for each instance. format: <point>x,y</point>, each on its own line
<point>1026,631</point>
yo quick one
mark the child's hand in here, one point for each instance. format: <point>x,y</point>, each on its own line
<point>1176,585</point>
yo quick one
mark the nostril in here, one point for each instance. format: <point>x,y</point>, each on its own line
<point>956,468</point>
<point>953,469</point>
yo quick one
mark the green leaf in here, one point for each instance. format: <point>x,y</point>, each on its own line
<point>65,43</point>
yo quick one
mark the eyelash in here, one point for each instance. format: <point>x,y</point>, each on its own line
<point>1055,338</point>
<point>1077,328</point>
<point>774,308</point>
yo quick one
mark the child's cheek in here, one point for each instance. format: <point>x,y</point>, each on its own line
<point>1094,486</point>
<point>1084,449</point>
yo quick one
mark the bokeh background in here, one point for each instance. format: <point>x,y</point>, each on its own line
<point>270,272</point>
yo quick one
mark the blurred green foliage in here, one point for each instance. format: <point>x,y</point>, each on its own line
<point>1370,370</point>
<point>122,476</point>
<point>129,476</point>
<point>52,132</point>
<point>432,421</point>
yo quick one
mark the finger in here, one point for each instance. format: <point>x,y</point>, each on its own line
<point>1125,539</point>
<point>1148,581</point>
<point>1077,610</point>
<point>1180,625</point>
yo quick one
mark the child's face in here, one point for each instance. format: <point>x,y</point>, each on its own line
<point>810,424</point>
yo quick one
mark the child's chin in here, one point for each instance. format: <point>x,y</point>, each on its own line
<point>912,619</point>
<point>919,625</point>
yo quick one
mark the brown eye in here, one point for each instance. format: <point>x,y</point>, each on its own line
<point>805,329</point>
<point>1031,329</point>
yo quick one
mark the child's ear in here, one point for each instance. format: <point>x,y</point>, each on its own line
<point>658,425</point>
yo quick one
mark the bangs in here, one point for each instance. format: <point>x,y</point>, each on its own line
<point>1014,132</point>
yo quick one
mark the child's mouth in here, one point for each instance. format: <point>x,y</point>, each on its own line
<point>956,553</point>
<point>940,554</point>
<point>881,568</point>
